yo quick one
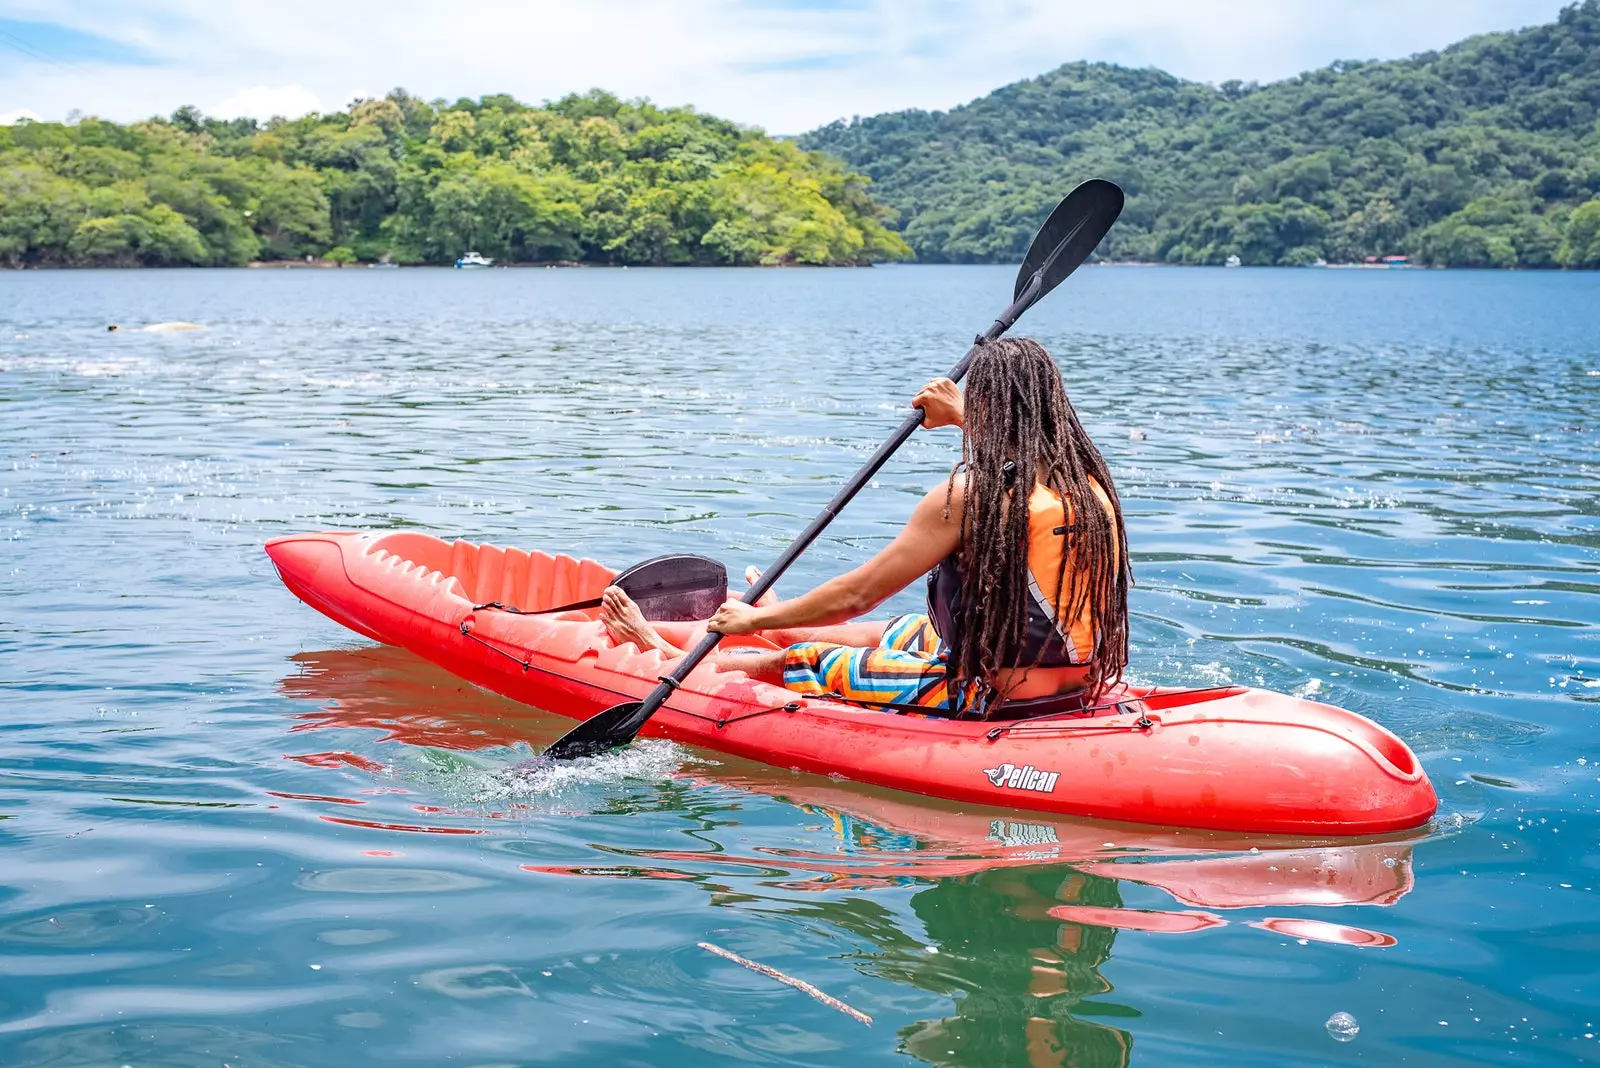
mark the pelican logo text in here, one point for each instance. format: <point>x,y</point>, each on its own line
<point>1021,834</point>
<point>1027,777</point>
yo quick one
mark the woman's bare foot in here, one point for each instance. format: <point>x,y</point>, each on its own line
<point>625,623</point>
<point>752,574</point>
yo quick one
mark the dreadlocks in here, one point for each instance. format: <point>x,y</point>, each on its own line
<point>1017,413</point>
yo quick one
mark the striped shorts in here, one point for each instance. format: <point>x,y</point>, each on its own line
<point>906,667</point>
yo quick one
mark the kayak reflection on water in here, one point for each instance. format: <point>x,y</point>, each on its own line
<point>1023,909</point>
<point>1014,999</point>
<point>1052,617</point>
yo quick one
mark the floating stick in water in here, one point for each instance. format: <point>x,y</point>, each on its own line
<point>799,984</point>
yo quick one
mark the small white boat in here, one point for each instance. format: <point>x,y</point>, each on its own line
<point>472,259</point>
<point>1232,261</point>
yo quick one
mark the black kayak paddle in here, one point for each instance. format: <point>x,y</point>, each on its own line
<point>674,587</point>
<point>1065,240</point>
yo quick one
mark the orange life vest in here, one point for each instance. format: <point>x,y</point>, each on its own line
<point>1049,640</point>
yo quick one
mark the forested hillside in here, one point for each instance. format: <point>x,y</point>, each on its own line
<point>587,178</point>
<point>1484,154</point>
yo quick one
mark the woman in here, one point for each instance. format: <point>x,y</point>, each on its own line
<point>1024,602</point>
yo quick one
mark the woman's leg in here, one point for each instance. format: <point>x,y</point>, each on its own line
<point>625,623</point>
<point>878,674</point>
<point>763,665</point>
<point>908,666</point>
<point>896,661</point>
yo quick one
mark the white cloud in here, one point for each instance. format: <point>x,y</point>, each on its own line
<point>787,65</point>
<point>11,118</point>
<point>264,102</point>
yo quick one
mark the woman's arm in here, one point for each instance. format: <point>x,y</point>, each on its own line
<point>929,536</point>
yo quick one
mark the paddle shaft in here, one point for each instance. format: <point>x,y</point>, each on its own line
<point>831,510</point>
<point>1071,232</point>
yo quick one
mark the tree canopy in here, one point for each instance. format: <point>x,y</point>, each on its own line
<point>590,178</point>
<point>1485,154</point>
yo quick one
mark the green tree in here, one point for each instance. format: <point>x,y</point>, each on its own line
<point>1580,247</point>
<point>156,237</point>
<point>39,212</point>
<point>1494,231</point>
<point>766,215</point>
<point>291,211</point>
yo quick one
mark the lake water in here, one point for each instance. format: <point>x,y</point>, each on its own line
<point>233,833</point>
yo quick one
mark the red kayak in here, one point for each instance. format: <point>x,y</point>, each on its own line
<point>883,838</point>
<point>1219,758</point>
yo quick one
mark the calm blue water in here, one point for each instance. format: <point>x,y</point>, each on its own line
<point>1381,488</point>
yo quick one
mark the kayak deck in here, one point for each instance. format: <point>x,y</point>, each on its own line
<point>1233,758</point>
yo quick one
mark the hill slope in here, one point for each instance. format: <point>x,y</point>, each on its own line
<point>1484,154</point>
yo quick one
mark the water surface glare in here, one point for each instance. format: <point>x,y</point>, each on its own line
<point>233,833</point>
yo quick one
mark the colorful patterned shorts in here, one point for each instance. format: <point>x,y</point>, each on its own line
<point>906,667</point>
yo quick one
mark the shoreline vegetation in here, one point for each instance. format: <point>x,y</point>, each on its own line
<point>588,178</point>
<point>531,265</point>
<point>1485,154</point>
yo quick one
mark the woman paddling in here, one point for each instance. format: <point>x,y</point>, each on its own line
<point>1024,602</point>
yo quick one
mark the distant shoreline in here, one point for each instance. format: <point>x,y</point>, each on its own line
<point>548,264</point>
<point>328,265</point>
<point>402,178</point>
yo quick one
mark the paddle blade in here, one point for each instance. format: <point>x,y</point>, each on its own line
<point>676,587</point>
<point>600,733</point>
<point>1079,223</point>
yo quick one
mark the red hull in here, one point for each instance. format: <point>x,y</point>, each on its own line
<point>1236,759</point>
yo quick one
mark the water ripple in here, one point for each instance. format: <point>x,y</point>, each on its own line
<point>231,832</point>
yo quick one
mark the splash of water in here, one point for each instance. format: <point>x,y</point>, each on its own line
<point>479,779</point>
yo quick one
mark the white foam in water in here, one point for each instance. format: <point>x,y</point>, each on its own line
<point>1343,1027</point>
<point>650,760</point>
<point>1308,689</point>
<point>1213,674</point>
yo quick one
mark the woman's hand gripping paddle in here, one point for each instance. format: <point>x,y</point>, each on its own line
<point>1073,231</point>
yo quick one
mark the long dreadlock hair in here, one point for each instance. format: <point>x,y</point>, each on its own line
<point>1017,412</point>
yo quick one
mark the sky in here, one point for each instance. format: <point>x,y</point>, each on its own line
<point>785,65</point>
